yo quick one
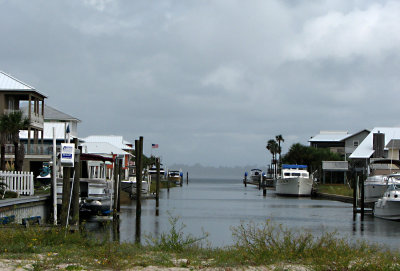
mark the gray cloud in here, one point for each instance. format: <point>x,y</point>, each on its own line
<point>209,81</point>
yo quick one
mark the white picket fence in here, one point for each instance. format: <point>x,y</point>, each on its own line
<point>18,181</point>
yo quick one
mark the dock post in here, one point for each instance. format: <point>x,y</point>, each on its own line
<point>116,183</point>
<point>65,196</point>
<point>157,185</point>
<point>245,180</point>
<point>54,178</point>
<point>187,177</point>
<point>138,151</point>
<point>76,187</point>
<point>355,185</point>
<point>362,195</point>
<point>264,186</point>
<point>119,187</point>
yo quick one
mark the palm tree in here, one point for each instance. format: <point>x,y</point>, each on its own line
<point>3,139</point>
<point>273,147</point>
<point>13,123</point>
<point>279,139</point>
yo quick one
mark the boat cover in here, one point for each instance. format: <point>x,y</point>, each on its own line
<point>293,166</point>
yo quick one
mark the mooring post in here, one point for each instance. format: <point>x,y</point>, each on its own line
<point>120,171</point>
<point>264,185</point>
<point>115,213</point>
<point>362,195</point>
<point>355,184</point>
<point>65,195</point>
<point>245,179</point>
<point>187,177</point>
<point>139,153</point>
<point>168,183</point>
<point>157,181</point>
<point>76,186</point>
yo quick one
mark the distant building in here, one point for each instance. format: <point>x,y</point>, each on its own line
<point>381,143</point>
<point>15,95</point>
<point>113,145</point>
<point>53,118</point>
<point>341,142</point>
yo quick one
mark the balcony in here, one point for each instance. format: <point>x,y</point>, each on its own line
<point>36,119</point>
<point>34,149</point>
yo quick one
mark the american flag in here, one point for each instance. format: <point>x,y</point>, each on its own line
<point>154,146</point>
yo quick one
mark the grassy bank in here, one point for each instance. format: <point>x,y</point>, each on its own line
<point>256,245</point>
<point>335,189</point>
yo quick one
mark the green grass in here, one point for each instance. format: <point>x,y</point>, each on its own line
<point>264,244</point>
<point>335,189</point>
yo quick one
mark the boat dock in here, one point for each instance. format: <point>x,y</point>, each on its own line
<point>25,209</point>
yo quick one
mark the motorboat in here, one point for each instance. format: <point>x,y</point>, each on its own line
<point>255,175</point>
<point>96,190</point>
<point>388,207</point>
<point>375,185</point>
<point>294,181</point>
<point>175,176</point>
<point>153,171</point>
<point>129,186</point>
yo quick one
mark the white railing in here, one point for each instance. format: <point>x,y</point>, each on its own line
<point>20,182</point>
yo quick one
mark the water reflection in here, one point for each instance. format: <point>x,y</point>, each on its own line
<point>214,206</point>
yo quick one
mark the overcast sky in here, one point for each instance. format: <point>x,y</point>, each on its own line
<point>209,81</point>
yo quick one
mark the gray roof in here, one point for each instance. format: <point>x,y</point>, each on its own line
<point>330,136</point>
<point>50,113</point>
<point>9,83</point>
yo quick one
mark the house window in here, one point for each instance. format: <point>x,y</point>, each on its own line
<point>355,143</point>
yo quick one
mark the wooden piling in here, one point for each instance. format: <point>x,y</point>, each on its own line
<point>264,186</point>
<point>76,188</point>
<point>158,179</point>
<point>355,185</point>
<point>116,183</point>
<point>157,186</point>
<point>187,177</point>
<point>362,195</point>
<point>120,174</point>
<point>245,180</point>
<point>139,152</point>
<point>65,195</point>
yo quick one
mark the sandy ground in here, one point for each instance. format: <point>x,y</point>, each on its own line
<point>19,265</point>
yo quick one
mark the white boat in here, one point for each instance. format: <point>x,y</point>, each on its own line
<point>96,191</point>
<point>375,186</point>
<point>175,176</point>
<point>255,175</point>
<point>153,171</point>
<point>129,186</point>
<point>294,181</point>
<point>388,207</point>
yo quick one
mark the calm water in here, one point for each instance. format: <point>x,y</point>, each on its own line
<point>213,206</point>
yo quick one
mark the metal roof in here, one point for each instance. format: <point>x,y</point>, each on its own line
<point>365,149</point>
<point>9,83</point>
<point>102,148</point>
<point>50,113</point>
<point>117,141</point>
<point>330,136</point>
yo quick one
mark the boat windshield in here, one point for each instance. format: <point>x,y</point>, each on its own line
<point>393,187</point>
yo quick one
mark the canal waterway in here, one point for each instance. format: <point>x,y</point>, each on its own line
<point>215,205</point>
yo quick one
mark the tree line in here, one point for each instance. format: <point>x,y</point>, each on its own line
<point>299,154</point>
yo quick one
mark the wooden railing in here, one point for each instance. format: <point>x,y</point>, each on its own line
<point>19,182</point>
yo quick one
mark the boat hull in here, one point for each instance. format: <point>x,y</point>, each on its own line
<point>374,191</point>
<point>294,186</point>
<point>130,187</point>
<point>387,209</point>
